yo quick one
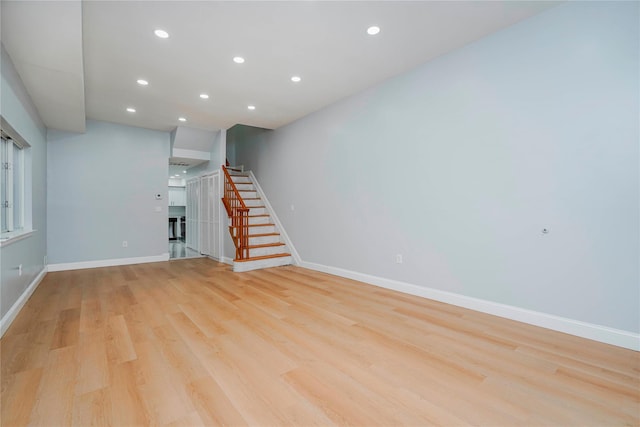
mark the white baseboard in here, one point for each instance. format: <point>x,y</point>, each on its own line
<point>294,253</point>
<point>107,262</point>
<point>223,260</point>
<point>590,331</point>
<point>11,315</point>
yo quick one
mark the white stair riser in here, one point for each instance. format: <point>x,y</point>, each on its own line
<point>259,220</point>
<point>239,267</point>
<point>257,211</point>
<point>263,240</point>
<point>248,194</point>
<point>262,229</point>
<point>269,250</point>
<point>254,202</point>
<point>242,181</point>
<point>246,186</point>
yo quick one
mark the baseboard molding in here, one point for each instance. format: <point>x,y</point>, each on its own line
<point>590,331</point>
<point>295,256</point>
<point>218,259</point>
<point>11,315</point>
<point>108,262</point>
<point>227,260</point>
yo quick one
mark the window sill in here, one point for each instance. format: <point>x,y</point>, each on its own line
<point>7,239</point>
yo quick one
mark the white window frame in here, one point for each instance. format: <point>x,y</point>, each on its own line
<point>16,221</point>
<point>14,192</point>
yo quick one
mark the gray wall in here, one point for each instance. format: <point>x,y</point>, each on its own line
<point>231,147</point>
<point>101,191</point>
<point>459,165</point>
<point>18,110</point>
<point>193,139</point>
<point>212,165</point>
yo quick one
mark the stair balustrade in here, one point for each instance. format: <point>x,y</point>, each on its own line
<point>238,212</point>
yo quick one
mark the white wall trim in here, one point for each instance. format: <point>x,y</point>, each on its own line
<point>107,262</point>
<point>11,315</point>
<point>591,331</point>
<point>191,154</point>
<point>13,237</point>
<point>294,253</point>
<point>226,260</point>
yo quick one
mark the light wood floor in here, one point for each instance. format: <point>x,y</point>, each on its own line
<point>189,342</point>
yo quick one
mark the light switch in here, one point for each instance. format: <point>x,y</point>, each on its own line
<point>158,209</point>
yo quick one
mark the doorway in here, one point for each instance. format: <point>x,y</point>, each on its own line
<point>202,219</point>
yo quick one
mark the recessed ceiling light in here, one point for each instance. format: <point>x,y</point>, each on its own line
<point>182,119</point>
<point>295,79</point>
<point>238,59</point>
<point>204,96</point>
<point>251,107</point>
<point>131,110</point>
<point>161,33</point>
<point>184,171</point>
<point>372,31</point>
<point>142,82</point>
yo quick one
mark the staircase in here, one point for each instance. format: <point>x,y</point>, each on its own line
<point>256,238</point>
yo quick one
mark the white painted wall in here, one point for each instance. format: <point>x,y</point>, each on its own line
<point>18,110</point>
<point>215,154</point>
<point>102,187</point>
<point>187,138</point>
<point>459,165</point>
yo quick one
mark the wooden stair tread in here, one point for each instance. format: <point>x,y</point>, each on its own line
<point>251,207</point>
<point>266,245</point>
<point>258,258</point>
<point>266,242</point>
<point>263,235</point>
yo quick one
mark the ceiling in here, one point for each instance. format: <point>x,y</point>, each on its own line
<point>81,59</point>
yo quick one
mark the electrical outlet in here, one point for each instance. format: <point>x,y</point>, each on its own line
<point>20,270</point>
<point>399,259</point>
<point>125,244</point>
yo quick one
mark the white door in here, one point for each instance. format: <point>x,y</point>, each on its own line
<point>193,214</point>
<point>205,215</point>
<point>210,215</point>
<point>215,216</point>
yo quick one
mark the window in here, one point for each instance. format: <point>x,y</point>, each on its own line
<point>12,195</point>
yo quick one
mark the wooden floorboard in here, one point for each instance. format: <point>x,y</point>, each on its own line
<point>189,342</point>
